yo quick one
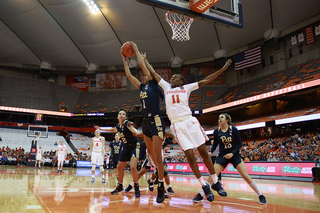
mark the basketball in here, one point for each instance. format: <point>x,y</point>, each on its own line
<point>127,50</point>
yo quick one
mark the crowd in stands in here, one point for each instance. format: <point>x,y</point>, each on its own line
<point>18,156</point>
<point>295,148</point>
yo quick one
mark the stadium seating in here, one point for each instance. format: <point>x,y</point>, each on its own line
<point>15,138</point>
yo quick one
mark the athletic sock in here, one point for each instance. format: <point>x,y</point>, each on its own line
<point>214,178</point>
<point>255,188</point>
<point>201,181</point>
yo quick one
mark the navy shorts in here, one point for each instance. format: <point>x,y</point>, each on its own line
<point>235,160</point>
<point>154,126</point>
<point>115,160</point>
<point>129,151</point>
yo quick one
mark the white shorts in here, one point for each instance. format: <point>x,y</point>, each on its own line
<point>189,133</point>
<point>61,157</point>
<point>97,156</point>
<point>38,157</point>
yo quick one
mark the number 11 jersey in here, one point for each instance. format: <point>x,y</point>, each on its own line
<point>177,99</point>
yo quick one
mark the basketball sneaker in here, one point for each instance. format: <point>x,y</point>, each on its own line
<point>166,195</point>
<point>198,198</point>
<point>208,193</point>
<point>217,187</point>
<point>161,191</point>
<point>119,188</point>
<point>170,191</point>
<point>92,180</point>
<point>103,180</point>
<point>150,185</point>
<point>128,188</point>
<point>136,190</point>
<point>262,199</point>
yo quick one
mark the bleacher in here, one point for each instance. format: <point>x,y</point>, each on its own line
<point>67,96</point>
<point>81,142</point>
<point>110,101</point>
<point>40,94</point>
<point>15,138</point>
<point>27,93</point>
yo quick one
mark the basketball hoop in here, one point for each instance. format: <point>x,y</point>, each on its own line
<point>180,25</point>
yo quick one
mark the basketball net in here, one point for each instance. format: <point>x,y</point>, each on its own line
<point>180,25</point>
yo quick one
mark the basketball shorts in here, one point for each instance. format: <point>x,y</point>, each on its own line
<point>235,160</point>
<point>154,126</point>
<point>61,157</point>
<point>189,133</point>
<point>38,157</point>
<point>129,151</point>
<point>115,161</point>
<point>97,157</point>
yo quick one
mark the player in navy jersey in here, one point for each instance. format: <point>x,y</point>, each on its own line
<point>229,140</point>
<point>153,125</point>
<point>130,151</point>
<point>116,147</point>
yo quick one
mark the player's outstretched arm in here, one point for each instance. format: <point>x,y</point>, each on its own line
<point>141,60</point>
<point>131,78</point>
<point>155,75</point>
<point>213,76</point>
<point>109,130</point>
<point>134,131</point>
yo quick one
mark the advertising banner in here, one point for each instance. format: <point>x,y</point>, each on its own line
<point>111,80</point>
<point>85,164</point>
<point>290,169</point>
<point>80,82</point>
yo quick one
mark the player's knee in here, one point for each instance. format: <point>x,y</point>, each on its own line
<point>133,167</point>
<point>101,168</point>
<point>93,167</point>
<point>165,173</point>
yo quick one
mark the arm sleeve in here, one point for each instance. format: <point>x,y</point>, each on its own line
<point>237,137</point>
<point>215,141</point>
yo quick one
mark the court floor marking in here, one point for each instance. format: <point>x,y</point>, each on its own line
<point>39,200</point>
<point>239,204</point>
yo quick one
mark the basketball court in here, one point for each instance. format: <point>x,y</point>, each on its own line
<point>25,189</point>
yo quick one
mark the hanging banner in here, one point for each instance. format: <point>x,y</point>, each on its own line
<point>111,80</point>
<point>301,37</point>
<point>80,82</point>
<point>197,73</point>
<point>309,35</point>
<point>293,40</point>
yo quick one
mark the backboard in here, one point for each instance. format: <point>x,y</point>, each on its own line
<point>34,130</point>
<point>224,12</point>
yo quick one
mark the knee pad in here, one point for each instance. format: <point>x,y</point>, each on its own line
<point>165,173</point>
<point>101,168</point>
<point>93,167</point>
